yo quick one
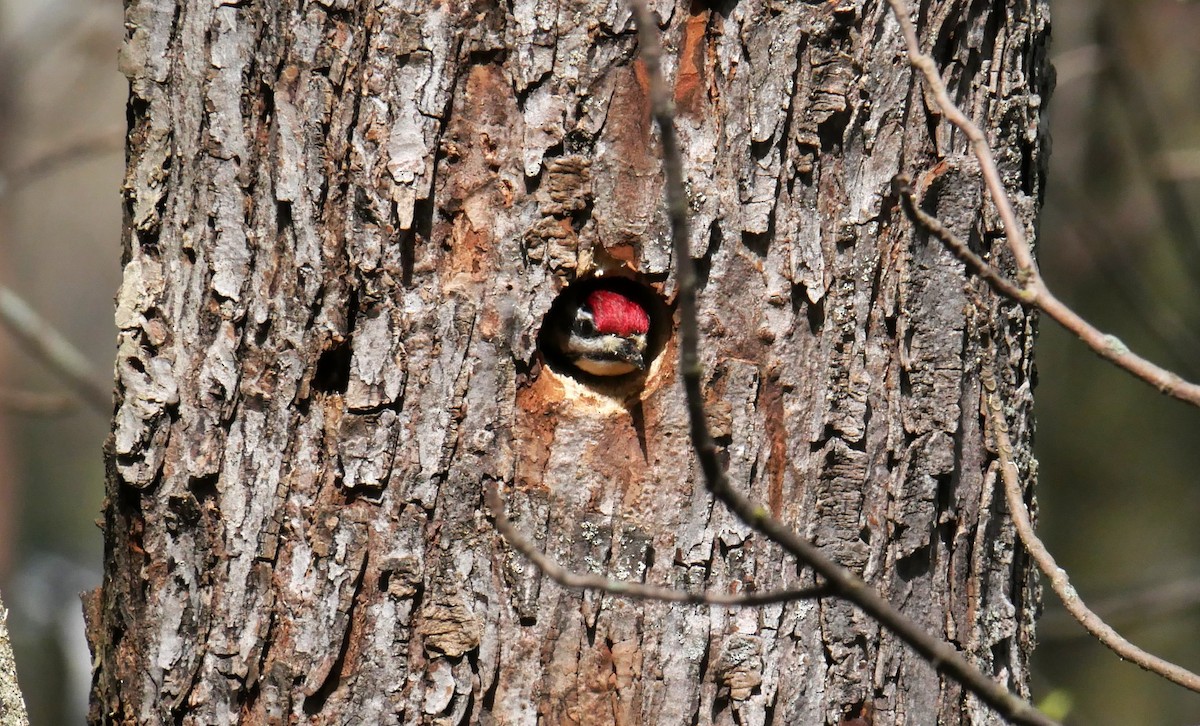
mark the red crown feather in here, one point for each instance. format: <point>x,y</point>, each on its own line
<point>615,314</point>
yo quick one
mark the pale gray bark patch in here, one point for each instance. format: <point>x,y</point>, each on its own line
<point>345,223</point>
<point>12,704</point>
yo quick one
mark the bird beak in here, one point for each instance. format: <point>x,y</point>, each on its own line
<point>634,357</point>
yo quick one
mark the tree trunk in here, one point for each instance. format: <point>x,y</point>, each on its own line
<point>345,223</point>
<point>12,704</point>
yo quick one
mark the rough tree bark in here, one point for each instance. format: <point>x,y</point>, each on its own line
<point>345,223</point>
<point>12,705</point>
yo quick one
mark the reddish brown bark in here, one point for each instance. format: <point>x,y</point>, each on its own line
<point>346,223</point>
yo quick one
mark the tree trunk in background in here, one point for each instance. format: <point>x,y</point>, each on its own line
<point>345,222</point>
<point>12,705</point>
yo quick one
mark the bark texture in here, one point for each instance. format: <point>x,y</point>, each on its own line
<point>12,705</point>
<point>345,223</point>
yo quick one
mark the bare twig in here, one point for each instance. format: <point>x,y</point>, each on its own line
<point>74,151</point>
<point>1033,290</point>
<point>1027,268</point>
<point>1055,574</point>
<point>1131,610</point>
<point>1093,243</point>
<point>625,588</point>
<point>1079,62</point>
<point>1058,577</point>
<point>1177,165</point>
<point>1107,346</point>
<point>942,655</point>
<point>902,188</point>
<point>44,342</point>
<point>1137,106</point>
<point>28,403</point>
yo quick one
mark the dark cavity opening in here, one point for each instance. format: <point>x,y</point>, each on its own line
<point>559,320</point>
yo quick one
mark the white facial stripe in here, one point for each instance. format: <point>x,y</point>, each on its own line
<point>603,344</point>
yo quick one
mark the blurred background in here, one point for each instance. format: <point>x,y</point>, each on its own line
<point>62,117</point>
<point>1120,465</point>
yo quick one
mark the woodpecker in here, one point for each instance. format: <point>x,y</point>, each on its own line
<point>607,336</point>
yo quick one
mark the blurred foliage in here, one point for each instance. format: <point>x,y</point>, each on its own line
<point>1118,490</point>
<point>1120,243</point>
<point>62,108</point>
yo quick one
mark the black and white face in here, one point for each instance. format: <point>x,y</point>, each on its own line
<point>603,354</point>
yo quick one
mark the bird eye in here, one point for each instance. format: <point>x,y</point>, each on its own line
<point>600,330</point>
<point>585,324</point>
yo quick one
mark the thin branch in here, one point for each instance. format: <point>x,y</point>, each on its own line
<point>943,656</point>
<point>902,188</point>
<point>1093,242</point>
<point>1033,288</point>
<point>1177,165</point>
<point>1027,268</point>
<point>28,403</point>
<point>44,342</point>
<point>625,588</point>
<point>1106,346</point>
<point>1036,294</point>
<point>1055,574</point>
<point>1132,610</point>
<point>74,151</point>
<point>1139,109</point>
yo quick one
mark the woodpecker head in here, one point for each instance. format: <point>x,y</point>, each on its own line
<point>607,335</point>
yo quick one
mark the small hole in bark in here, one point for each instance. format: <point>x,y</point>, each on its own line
<point>915,565</point>
<point>832,130</point>
<point>1001,651</point>
<point>759,244</point>
<point>760,149</point>
<point>283,214</point>
<point>609,365</point>
<point>858,714</point>
<point>815,313</point>
<point>203,487</point>
<point>703,265</point>
<point>333,369</point>
<point>261,331</point>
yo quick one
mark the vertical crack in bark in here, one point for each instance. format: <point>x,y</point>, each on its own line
<point>315,701</point>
